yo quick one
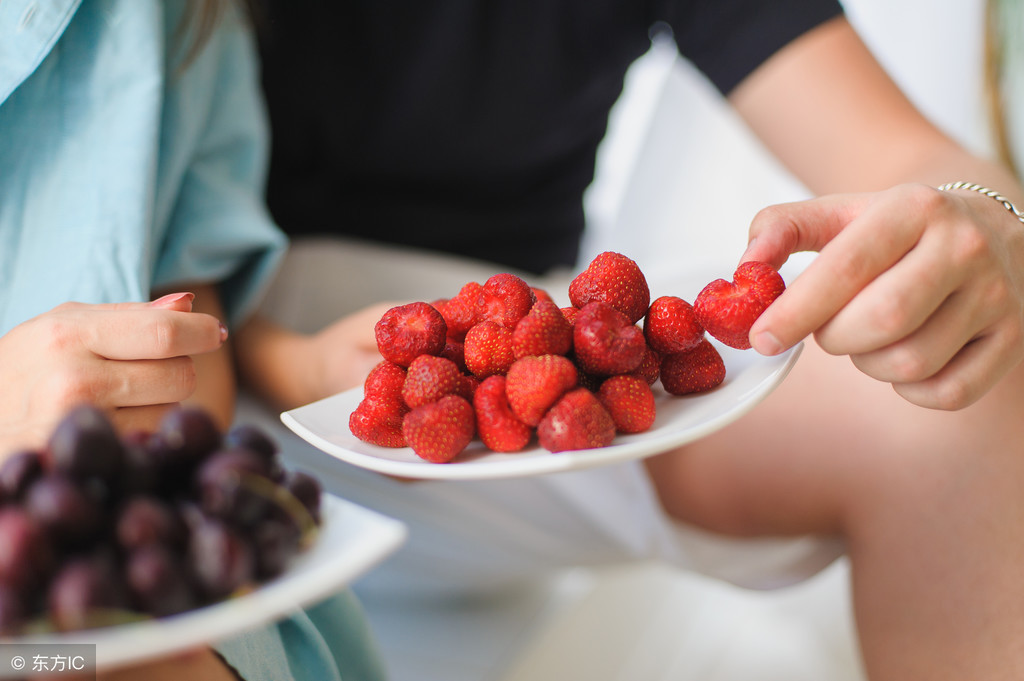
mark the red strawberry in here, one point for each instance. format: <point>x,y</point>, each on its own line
<point>455,351</point>
<point>429,379</point>
<point>630,402</point>
<point>384,382</point>
<point>727,310</point>
<point>499,428</point>
<point>534,383</point>
<point>541,294</point>
<point>570,314</point>
<point>438,431</point>
<point>671,326</point>
<point>463,311</point>
<point>614,279</point>
<point>576,421</point>
<point>544,331</point>
<point>650,366</point>
<point>469,385</point>
<point>379,422</point>
<point>407,331</point>
<point>488,349</point>
<point>506,299</point>
<point>692,371</point>
<point>605,341</point>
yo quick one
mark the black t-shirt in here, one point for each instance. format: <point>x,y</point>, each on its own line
<point>472,126</point>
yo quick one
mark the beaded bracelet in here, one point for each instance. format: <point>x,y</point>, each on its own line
<point>991,193</point>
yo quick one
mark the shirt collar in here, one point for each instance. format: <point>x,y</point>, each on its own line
<point>28,31</point>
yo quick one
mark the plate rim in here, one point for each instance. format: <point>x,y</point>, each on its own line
<point>556,462</point>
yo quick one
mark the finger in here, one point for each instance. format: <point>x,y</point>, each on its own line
<point>134,383</point>
<point>929,348</point>
<point>145,419</point>
<point>870,244</point>
<point>897,303</point>
<point>778,231</point>
<point>151,333</point>
<point>965,379</point>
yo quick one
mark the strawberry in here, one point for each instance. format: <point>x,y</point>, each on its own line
<point>455,350</point>
<point>439,430</point>
<point>692,371</point>
<point>506,299</point>
<point>499,428</point>
<point>576,421</point>
<point>407,331</point>
<point>630,402</point>
<point>429,379</point>
<point>671,326</point>
<point>614,279</point>
<point>488,349</point>
<point>463,311</point>
<point>544,331</point>
<point>469,385</point>
<point>570,314</point>
<point>534,383</point>
<point>605,341</point>
<point>384,382</point>
<point>379,422</point>
<point>650,366</point>
<point>541,294</point>
<point>727,310</point>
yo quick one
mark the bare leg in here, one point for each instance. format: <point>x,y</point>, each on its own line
<point>930,503</point>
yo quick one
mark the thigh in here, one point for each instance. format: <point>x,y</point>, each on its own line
<point>829,442</point>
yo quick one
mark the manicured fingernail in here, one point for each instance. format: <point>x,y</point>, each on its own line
<point>767,344</point>
<point>172,298</point>
<point>223,332</point>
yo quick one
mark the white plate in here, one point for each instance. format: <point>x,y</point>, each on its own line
<point>351,540</point>
<point>749,378</point>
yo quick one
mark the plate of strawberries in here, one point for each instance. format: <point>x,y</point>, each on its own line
<point>500,381</point>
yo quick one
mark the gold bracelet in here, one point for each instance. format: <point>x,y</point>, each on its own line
<point>991,193</point>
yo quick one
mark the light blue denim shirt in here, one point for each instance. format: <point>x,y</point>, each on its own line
<point>122,172</point>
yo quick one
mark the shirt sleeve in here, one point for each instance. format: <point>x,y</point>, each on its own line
<point>329,641</point>
<point>217,227</point>
<point>728,39</point>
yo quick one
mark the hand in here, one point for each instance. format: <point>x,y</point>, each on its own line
<point>348,350</point>
<point>923,289</point>
<point>290,369</point>
<point>131,359</point>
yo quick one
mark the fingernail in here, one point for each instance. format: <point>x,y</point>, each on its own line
<point>223,332</point>
<point>172,298</point>
<point>766,344</point>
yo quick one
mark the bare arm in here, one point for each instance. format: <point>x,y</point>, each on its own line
<point>290,369</point>
<point>826,108</point>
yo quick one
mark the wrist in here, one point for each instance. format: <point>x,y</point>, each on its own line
<point>991,193</point>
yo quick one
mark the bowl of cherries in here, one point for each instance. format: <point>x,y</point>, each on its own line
<point>100,529</point>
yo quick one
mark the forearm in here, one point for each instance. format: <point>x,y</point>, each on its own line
<point>274,363</point>
<point>855,133</point>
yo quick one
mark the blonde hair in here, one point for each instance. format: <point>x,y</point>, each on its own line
<point>996,59</point>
